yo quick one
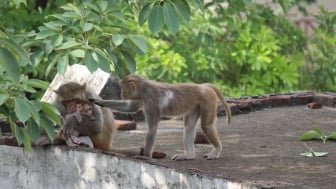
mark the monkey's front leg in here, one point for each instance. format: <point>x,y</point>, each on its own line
<point>153,123</point>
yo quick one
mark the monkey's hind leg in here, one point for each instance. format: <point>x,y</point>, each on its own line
<point>190,121</point>
<point>208,120</point>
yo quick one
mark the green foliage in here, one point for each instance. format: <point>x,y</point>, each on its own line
<point>320,67</point>
<point>161,13</point>
<point>243,55</point>
<point>161,63</point>
<point>93,33</point>
<point>14,87</point>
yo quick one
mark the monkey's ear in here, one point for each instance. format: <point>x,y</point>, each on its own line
<point>84,86</point>
<point>132,84</point>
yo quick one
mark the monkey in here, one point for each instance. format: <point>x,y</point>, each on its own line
<point>157,99</point>
<point>84,108</point>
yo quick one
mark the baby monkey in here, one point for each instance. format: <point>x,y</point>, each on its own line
<point>84,108</point>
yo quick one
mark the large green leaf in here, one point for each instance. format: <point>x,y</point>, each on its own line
<point>78,53</point>
<point>62,64</point>
<point>35,108</point>
<point>22,109</point>
<point>130,62</point>
<point>33,129</point>
<point>183,9</point>
<point>68,44</point>
<point>155,20</point>
<point>54,25</point>
<point>146,10</point>
<point>139,42</point>
<point>91,61</point>
<point>37,56</point>
<point>118,39</point>
<point>104,62</point>
<point>72,8</point>
<point>44,34</point>
<point>48,126</point>
<point>103,5</point>
<point>3,98</point>
<point>57,40</point>
<point>171,17</point>
<point>18,133</point>
<point>16,50</point>
<point>26,140</point>
<point>87,27</point>
<point>10,63</point>
<point>36,83</point>
<point>51,112</point>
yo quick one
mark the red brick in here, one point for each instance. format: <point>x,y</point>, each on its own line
<point>314,105</point>
<point>201,138</point>
<point>281,100</point>
<point>122,125</point>
<point>261,103</point>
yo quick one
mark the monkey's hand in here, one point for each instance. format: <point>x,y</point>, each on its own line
<point>67,131</point>
<point>97,101</point>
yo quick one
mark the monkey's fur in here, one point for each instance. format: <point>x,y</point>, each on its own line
<point>193,101</point>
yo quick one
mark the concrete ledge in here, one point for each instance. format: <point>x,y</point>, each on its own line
<point>59,167</point>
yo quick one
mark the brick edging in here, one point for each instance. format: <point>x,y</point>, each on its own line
<point>254,103</point>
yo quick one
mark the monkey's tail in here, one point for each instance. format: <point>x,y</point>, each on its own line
<point>225,104</point>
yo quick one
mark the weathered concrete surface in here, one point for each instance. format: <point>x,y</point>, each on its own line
<point>260,150</point>
<point>61,167</point>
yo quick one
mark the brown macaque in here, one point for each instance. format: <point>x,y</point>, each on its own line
<point>193,101</point>
<point>100,126</point>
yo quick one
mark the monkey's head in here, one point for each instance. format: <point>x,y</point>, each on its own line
<point>130,87</point>
<point>70,94</point>
<point>86,107</point>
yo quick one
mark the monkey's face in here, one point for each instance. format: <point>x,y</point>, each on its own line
<point>70,95</point>
<point>87,109</point>
<point>128,90</point>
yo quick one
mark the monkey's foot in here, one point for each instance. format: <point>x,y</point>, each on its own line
<point>71,144</point>
<point>75,139</point>
<point>85,140</point>
<point>210,156</point>
<point>179,157</point>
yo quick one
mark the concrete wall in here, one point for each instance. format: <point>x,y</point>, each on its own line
<point>57,167</point>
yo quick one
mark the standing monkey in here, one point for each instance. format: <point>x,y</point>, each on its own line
<point>193,101</point>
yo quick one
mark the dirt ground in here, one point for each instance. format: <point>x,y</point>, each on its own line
<point>260,148</point>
